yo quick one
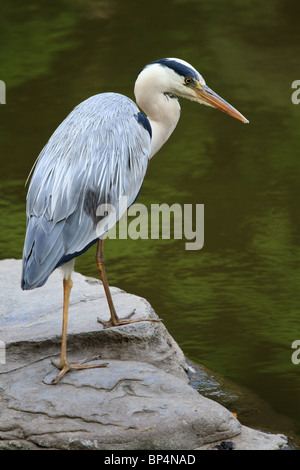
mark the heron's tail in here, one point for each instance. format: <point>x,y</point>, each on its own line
<point>48,245</point>
<point>43,248</point>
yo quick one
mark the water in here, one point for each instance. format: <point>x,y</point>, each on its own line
<point>234,305</point>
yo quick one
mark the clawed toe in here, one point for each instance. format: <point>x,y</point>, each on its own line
<point>125,320</point>
<point>84,364</point>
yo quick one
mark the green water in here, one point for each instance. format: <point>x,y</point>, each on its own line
<point>234,305</point>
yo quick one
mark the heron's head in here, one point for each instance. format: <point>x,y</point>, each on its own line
<point>177,77</point>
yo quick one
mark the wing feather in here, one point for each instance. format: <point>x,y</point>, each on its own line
<point>98,154</point>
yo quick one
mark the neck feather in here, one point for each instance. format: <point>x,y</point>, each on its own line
<point>163,112</point>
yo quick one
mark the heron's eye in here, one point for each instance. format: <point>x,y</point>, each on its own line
<point>188,81</point>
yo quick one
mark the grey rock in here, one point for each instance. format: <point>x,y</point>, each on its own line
<point>251,439</point>
<point>141,399</point>
<point>30,323</point>
<point>123,406</point>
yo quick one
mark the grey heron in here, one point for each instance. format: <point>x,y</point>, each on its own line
<point>98,155</point>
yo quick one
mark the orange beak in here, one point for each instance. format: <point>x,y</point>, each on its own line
<point>209,97</point>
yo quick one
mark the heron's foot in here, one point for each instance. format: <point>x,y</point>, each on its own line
<point>124,320</point>
<point>84,364</point>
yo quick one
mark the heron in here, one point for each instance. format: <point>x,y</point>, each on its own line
<point>99,155</point>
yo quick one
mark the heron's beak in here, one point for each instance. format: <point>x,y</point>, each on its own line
<point>204,93</point>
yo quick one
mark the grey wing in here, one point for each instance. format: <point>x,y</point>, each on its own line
<point>98,155</point>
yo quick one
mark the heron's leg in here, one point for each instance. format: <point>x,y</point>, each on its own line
<point>63,364</point>
<point>68,284</point>
<point>114,319</point>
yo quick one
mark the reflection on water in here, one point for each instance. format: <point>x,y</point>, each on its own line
<point>234,305</point>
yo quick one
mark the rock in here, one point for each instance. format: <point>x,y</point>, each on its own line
<point>250,439</point>
<point>141,399</point>
<point>123,406</point>
<point>31,322</point>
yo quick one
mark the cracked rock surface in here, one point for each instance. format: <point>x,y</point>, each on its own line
<point>141,399</point>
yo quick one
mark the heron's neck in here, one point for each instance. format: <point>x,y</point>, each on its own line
<point>163,112</point>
